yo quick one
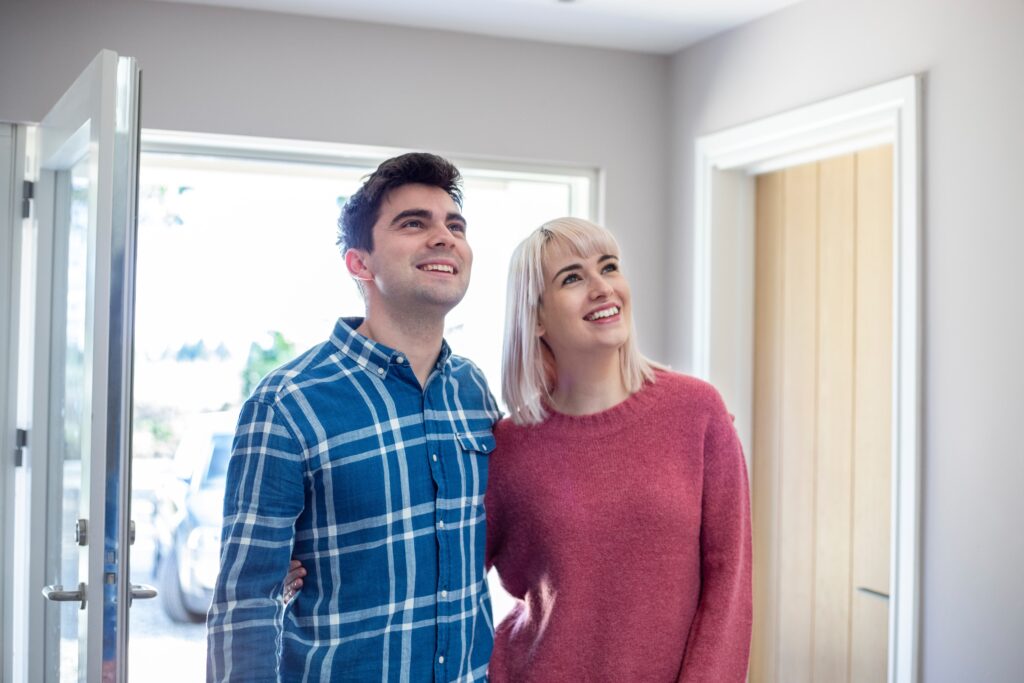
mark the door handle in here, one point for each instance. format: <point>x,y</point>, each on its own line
<point>873,593</point>
<point>142,592</point>
<point>58,594</point>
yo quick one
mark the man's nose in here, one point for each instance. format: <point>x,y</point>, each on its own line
<point>441,236</point>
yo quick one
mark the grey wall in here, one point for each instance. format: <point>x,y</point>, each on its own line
<point>248,73</point>
<point>973,56</point>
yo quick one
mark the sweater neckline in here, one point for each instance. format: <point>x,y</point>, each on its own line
<point>611,419</point>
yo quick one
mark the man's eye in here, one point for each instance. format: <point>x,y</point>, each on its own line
<point>415,223</point>
<point>570,278</point>
<point>457,227</point>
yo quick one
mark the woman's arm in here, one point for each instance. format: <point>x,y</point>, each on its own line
<point>718,646</point>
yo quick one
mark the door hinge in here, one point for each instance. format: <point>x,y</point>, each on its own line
<point>28,193</point>
<point>20,442</point>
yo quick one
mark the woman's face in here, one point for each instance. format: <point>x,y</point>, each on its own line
<point>585,306</point>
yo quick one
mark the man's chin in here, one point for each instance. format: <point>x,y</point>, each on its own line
<point>438,301</point>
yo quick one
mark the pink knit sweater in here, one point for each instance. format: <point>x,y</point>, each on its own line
<point>626,537</point>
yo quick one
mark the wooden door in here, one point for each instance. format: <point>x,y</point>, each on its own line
<point>821,457</point>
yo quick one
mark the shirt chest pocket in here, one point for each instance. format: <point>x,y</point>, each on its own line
<point>473,449</point>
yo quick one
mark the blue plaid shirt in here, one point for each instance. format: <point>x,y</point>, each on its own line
<point>343,461</point>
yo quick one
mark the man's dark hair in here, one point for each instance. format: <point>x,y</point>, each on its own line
<point>361,211</point>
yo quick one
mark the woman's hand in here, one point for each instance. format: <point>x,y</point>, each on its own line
<point>293,581</point>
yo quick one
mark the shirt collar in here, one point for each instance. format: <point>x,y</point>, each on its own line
<point>372,355</point>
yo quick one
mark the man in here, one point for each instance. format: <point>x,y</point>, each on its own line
<point>365,459</point>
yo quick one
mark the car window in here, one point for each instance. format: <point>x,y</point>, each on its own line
<point>218,469</point>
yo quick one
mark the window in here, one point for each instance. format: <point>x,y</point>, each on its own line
<point>238,271</point>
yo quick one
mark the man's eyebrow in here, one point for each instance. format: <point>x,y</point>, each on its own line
<point>410,213</point>
<point>425,213</point>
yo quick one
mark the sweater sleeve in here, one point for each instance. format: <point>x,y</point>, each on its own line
<point>718,645</point>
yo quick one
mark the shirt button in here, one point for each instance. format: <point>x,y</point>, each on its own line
<point>400,360</point>
<point>444,594</point>
<point>441,524</point>
<point>380,371</point>
<point>440,660</point>
<point>434,456</point>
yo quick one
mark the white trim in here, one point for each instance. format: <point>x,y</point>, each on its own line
<point>11,165</point>
<point>884,113</point>
<point>585,181</point>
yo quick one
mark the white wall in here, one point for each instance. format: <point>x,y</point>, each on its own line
<point>248,73</point>
<point>973,56</point>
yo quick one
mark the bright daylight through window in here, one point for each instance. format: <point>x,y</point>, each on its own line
<point>238,272</point>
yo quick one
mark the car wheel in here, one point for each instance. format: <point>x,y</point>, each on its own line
<point>170,591</point>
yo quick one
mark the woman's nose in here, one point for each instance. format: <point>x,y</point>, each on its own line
<point>599,289</point>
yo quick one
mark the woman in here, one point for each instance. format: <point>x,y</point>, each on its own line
<point>617,501</point>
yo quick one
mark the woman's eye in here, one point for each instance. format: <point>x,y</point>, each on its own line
<point>610,268</point>
<point>570,278</point>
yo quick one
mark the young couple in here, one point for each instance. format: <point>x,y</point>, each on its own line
<point>616,493</point>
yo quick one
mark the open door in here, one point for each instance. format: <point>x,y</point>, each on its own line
<point>85,205</point>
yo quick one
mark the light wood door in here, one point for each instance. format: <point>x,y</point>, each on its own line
<point>821,455</point>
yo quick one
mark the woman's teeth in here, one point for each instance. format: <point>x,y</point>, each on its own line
<point>605,313</point>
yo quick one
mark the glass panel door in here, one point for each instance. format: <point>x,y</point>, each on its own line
<point>88,157</point>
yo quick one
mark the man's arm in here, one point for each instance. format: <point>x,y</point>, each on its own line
<point>263,497</point>
<point>718,646</point>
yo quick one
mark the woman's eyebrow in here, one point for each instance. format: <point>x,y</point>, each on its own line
<point>571,266</point>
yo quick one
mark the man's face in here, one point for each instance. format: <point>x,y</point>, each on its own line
<point>421,260</point>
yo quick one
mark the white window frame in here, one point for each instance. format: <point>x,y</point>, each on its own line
<point>585,182</point>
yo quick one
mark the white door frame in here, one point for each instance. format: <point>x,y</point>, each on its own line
<point>12,163</point>
<point>723,293</point>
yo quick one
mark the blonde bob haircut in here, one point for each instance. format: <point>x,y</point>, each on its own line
<point>527,366</point>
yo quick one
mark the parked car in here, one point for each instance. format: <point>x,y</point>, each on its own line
<point>188,515</point>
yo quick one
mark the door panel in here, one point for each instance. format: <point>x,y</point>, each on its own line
<point>797,478</point>
<point>822,419</point>
<point>837,232</point>
<point>873,416</point>
<point>87,152</point>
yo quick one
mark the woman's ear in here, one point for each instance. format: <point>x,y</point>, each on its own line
<point>355,261</point>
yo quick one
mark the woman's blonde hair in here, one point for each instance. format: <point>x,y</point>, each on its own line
<point>527,366</point>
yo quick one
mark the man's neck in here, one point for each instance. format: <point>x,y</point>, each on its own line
<point>418,337</point>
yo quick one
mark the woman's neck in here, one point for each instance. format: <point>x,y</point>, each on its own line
<point>590,385</point>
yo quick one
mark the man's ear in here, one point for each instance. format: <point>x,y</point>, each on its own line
<point>355,261</point>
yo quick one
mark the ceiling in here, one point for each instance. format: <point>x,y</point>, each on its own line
<point>658,26</point>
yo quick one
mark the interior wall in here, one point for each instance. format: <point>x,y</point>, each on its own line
<point>216,70</point>
<point>972,56</point>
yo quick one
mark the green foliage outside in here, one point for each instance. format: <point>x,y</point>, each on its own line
<point>263,359</point>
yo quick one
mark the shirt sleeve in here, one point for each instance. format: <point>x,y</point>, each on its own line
<point>718,646</point>
<point>263,497</point>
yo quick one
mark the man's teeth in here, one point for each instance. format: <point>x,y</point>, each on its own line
<point>606,313</point>
<point>439,267</point>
